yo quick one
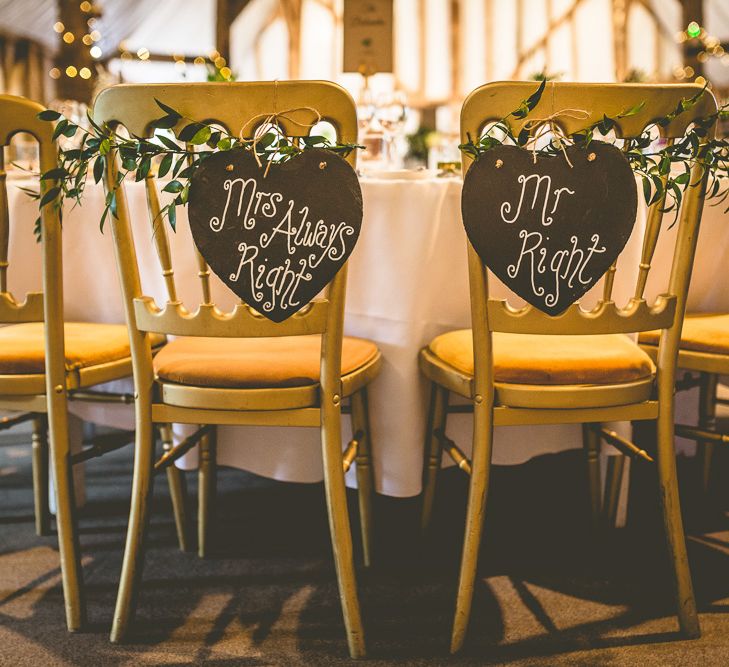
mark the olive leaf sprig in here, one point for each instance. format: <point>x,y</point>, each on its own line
<point>656,167</point>
<point>177,154</point>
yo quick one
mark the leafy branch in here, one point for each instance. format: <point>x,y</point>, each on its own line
<point>659,169</point>
<point>177,156</point>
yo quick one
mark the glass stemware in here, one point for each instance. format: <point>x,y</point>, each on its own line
<point>391,114</point>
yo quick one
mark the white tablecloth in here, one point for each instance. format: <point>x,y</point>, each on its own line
<point>407,284</point>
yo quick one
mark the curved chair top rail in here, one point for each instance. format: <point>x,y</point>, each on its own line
<point>240,108</point>
<point>496,101</point>
<point>18,114</point>
<point>237,106</point>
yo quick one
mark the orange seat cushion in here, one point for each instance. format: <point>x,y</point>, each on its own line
<point>22,348</point>
<point>246,363</point>
<point>701,333</point>
<point>550,360</point>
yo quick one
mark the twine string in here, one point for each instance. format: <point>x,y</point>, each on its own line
<point>549,124</point>
<point>273,118</point>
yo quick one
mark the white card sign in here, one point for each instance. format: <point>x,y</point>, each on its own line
<point>368,36</point>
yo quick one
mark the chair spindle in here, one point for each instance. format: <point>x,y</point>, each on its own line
<point>650,239</point>
<point>159,235</point>
<point>203,269</point>
<point>4,225</point>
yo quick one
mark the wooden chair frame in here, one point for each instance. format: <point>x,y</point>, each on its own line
<point>43,398</point>
<point>497,404</point>
<point>157,402</point>
<point>703,371</point>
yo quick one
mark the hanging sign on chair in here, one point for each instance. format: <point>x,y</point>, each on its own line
<point>276,240</point>
<point>550,226</point>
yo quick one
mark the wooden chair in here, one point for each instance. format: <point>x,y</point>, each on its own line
<point>44,362</point>
<point>329,367</point>
<point>516,349</point>
<point>703,350</point>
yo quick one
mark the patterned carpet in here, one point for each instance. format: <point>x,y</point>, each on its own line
<point>548,593</point>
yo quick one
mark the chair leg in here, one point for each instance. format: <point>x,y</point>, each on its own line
<point>670,504</point>
<point>613,485</point>
<point>591,444</point>
<point>437,415</point>
<point>207,475</point>
<point>68,545</point>
<point>178,492</point>
<point>339,527</point>
<point>707,419</point>
<point>133,562</point>
<point>478,490</point>
<point>40,476</point>
<point>365,471</point>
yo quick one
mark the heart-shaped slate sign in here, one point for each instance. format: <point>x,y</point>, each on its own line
<point>548,230</point>
<point>276,240</point>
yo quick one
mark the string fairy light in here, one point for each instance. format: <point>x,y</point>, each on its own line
<point>91,12</point>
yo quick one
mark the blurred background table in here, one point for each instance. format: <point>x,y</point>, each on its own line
<point>407,283</point>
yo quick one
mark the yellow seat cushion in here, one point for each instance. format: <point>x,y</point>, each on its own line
<point>550,360</point>
<point>701,333</point>
<point>246,363</point>
<point>22,350</point>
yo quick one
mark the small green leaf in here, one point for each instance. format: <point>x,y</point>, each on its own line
<point>167,109</point>
<point>54,174</point>
<point>99,164</point>
<point>60,127</point>
<point>165,122</point>
<point>164,165</point>
<point>48,114</point>
<point>168,142</point>
<point>189,131</point>
<point>49,196</point>
<point>173,186</point>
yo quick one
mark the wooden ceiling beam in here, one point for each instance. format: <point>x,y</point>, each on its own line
<point>226,11</point>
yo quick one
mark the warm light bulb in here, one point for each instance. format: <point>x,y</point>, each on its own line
<point>199,60</point>
<point>95,52</point>
<point>85,73</point>
<point>700,80</point>
<point>143,54</point>
<point>71,71</point>
<point>86,39</point>
<point>85,6</point>
<point>55,73</point>
<point>95,35</point>
<point>68,37</point>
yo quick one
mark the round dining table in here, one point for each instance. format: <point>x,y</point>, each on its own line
<point>407,283</point>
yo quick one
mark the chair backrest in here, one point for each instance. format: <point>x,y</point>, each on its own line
<point>496,101</point>
<point>18,114</point>
<point>238,107</point>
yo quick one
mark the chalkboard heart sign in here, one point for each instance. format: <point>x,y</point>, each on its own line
<point>276,240</point>
<point>546,229</point>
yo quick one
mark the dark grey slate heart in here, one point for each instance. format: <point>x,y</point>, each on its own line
<point>549,230</point>
<point>277,240</point>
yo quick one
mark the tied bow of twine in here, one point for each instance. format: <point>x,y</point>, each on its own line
<point>548,124</point>
<point>271,123</point>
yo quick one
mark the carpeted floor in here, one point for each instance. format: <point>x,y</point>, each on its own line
<point>549,593</point>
